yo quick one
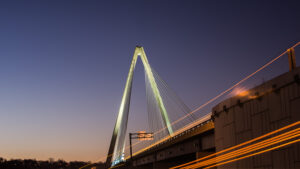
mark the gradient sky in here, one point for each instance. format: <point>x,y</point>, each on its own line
<point>63,64</point>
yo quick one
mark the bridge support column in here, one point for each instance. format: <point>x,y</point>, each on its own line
<point>292,58</point>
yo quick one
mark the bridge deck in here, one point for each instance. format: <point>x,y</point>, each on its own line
<point>189,132</point>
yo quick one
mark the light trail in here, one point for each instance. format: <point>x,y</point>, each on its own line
<point>116,166</point>
<point>262,144</point>
<point>256,146</point>
<point>252,148</point>
<point>239,145</point>
<point>214,160</point>
<point>222,158</point>
<point>85,166</point>
<point>250,155</point>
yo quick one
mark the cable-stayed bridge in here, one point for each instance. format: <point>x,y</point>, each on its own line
<point>228,131</point>
<point>161,100</point>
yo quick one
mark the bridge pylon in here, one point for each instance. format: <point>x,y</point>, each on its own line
<point>117,144</point>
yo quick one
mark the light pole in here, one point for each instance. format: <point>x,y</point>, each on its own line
<point>141,135</point>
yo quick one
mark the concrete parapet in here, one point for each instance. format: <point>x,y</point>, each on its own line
<point>265,108</point>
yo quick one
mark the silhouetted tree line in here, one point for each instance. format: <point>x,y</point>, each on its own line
<point>50,164</point>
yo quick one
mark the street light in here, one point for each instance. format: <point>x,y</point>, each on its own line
<point>141,135</point>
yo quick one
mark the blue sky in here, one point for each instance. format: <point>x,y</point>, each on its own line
<point>63,64</point>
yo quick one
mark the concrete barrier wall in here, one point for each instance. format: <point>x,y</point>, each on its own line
<point>265,108</point>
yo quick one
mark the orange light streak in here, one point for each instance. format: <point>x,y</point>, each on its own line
<point>261,145</point>
<point>250,155</point>
<point>216,159</point>
<point>239,145</point>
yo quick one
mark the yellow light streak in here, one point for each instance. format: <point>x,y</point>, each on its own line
<point>85,166</point>
<point>261,144</point>
<point>257,146</point>
<point>216,160</point>
<point>239,145</point>
<point>117,166</point>
<point>250,155</point>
